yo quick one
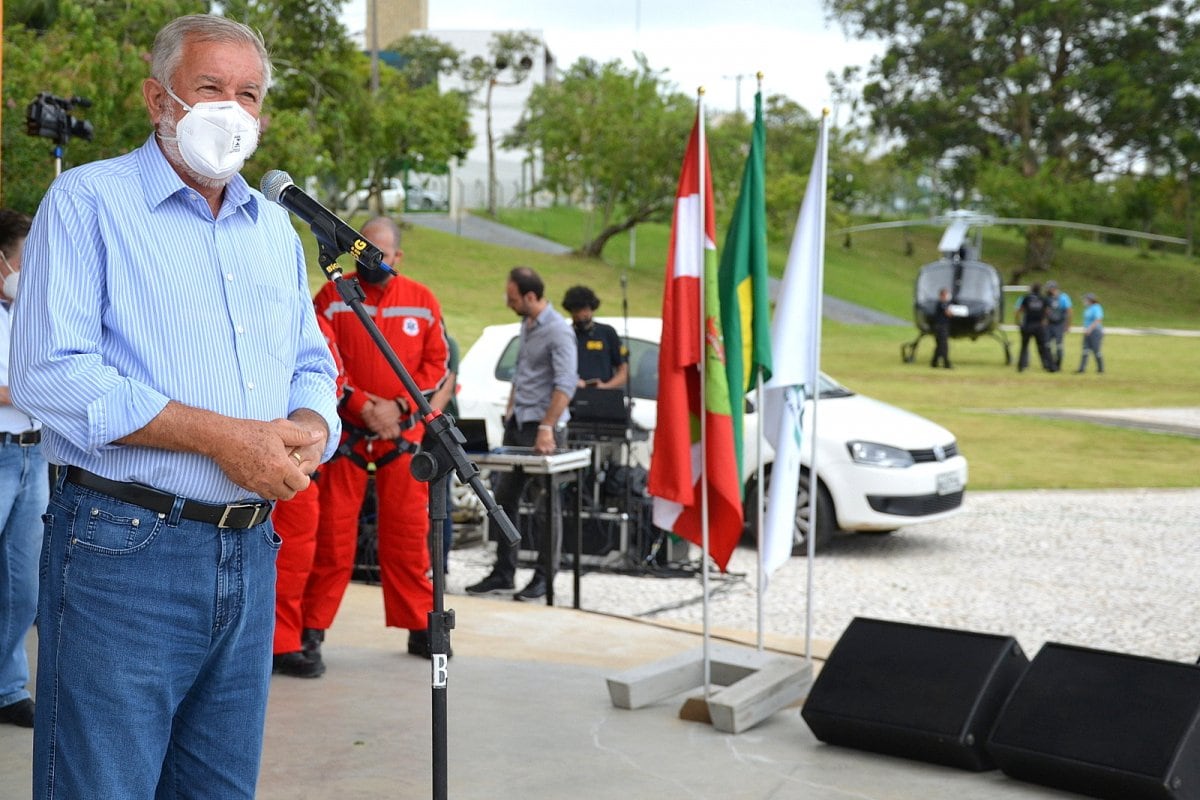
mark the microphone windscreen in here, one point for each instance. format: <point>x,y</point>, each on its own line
<point>273,184</point>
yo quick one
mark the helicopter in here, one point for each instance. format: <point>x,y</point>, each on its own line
<point>977,292</point>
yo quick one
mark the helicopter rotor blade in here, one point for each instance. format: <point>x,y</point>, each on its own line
<point>1084,226</point>
<point>971,219</point>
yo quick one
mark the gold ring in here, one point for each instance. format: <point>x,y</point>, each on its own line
<point>296,455</point>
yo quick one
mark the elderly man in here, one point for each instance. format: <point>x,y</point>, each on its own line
<point>165,336</point>
<point>542,387</point>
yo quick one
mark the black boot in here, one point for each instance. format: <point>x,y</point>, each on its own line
<point>310,642</point>
<point>297,665</point>
<point>1082,364</point>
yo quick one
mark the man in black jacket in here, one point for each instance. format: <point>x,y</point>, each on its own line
<point>1031,316</point>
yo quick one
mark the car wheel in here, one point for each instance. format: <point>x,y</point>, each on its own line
<point>427,204</point>
<point>826,520</point>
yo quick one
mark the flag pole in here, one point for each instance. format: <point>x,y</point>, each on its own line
<point>760,521</point>
<point>814,486</point>
<point>701,367</point>
<point>759,471</point>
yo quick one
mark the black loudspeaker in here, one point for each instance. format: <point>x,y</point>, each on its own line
<point>914,691</point>
<point>1103,724</point>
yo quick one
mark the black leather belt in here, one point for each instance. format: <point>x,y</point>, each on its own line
<point>233,515</point>
<point>26,439</point>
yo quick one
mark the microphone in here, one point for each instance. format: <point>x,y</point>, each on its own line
<point>331,232</point>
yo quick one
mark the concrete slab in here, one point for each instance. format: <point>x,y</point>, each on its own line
<point>529,716</point>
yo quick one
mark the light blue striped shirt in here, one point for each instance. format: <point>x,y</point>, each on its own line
<point>132,295</point>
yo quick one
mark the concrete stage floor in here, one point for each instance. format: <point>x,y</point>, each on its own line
<point>529,717</point>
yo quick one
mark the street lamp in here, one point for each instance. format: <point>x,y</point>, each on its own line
<point>518,73</point>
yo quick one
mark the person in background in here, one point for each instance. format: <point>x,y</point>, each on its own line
<point>380,426</point>
<point>603,358</point>
<point>1031,318</point>
<point>941,329</point>
<point>544,380</point>
<point>296,521</point>
<point>1058,321</point>
<point>164,335</point>
<point>24,493</point>
<point>1093,332</point>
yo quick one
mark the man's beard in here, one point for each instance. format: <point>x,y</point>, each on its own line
<point>167,137</point>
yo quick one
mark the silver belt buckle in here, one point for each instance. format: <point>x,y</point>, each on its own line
<point>222,523</point>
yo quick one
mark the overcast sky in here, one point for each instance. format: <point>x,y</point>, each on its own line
<point>699,42</point>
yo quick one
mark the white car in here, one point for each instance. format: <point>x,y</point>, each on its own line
<point>880,467</point>
<point>426,198</point>
<point>392,193</point>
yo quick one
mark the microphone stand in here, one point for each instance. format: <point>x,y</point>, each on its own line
<point>429,466</point>
<point>634,521</point>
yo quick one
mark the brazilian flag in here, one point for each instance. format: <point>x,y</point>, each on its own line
<point>742,283</point>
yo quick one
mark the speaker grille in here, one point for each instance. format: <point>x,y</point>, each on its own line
<point>915,691</point>
<point>1106,724</point>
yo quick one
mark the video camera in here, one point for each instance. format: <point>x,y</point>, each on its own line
<point>49,116</point>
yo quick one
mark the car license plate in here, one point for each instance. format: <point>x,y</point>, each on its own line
<point>948,482</point>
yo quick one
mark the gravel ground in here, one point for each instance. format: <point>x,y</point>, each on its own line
<point>1112,570</point>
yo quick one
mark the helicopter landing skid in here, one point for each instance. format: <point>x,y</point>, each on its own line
<point>908,350</point>
<point>1002,337</point>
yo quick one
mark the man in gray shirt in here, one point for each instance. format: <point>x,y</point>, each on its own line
<point>543,384</point>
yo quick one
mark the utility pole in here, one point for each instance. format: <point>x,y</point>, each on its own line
<point>373,45</point>
<point>737,79</point>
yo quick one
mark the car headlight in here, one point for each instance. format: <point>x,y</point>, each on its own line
<point>879,455</point>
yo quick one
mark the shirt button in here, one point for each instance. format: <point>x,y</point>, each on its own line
<point>229,277</point>
<point>250,385</point>
<point>240,329</point>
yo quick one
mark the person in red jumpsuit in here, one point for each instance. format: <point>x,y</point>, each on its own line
<point>295,521</point>
<point>380,427</point>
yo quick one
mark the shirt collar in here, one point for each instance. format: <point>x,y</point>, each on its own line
<point>160,181</point>
<point>545,315</point>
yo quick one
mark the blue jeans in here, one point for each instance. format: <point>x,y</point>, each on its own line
<point>24,490</point>
<point>154,652</point>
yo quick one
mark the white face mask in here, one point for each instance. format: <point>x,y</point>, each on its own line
<point>215,138</point>
<point>10,280</point>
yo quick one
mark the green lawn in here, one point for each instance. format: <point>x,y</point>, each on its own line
<point>1006,450</point>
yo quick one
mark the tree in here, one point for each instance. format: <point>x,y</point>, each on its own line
<point>1030,100</point>
<point>511,57</point>
<point>425,57</point>
<point>325,121</point>
<point>611,137</point>
<point>96,50</point>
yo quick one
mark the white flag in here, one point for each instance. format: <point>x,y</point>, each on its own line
<point>796,343</point>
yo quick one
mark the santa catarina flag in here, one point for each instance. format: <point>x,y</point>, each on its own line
<point>742,278</point>
<point>687,454</point>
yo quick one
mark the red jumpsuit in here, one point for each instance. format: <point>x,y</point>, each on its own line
<point>410,318</point>
<point>295,521</point>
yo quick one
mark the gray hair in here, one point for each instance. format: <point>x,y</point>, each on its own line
<point>168,44</point>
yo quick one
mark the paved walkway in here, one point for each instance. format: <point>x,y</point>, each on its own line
<point>474,227</point>
<point>1178,421</point>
